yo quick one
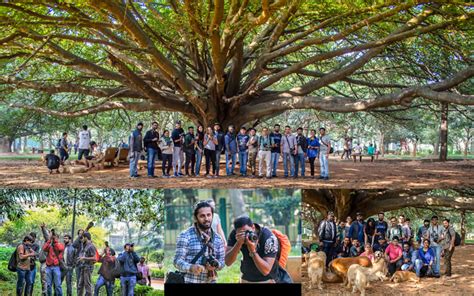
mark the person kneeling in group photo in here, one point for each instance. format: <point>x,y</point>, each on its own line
<point>261,253</point>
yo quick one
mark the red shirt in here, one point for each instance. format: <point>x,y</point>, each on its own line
<point>393,252</point>
<point>52,259</point>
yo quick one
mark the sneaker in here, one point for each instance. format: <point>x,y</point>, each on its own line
<point>152,176</point>
<point>176,174</point>
<point>326,178</point>
<point>321,177</point>
<point>180,174</point>
<point>133,177</point>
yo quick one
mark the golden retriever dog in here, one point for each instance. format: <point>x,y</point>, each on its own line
<point>357,278</point>
<point>339,266</point>
<point>404,276</point>
<point>316,265</point>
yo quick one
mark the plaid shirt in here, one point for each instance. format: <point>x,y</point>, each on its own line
<point>188,245</point>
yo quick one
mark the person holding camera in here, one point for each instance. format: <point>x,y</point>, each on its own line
<point>288,150</point>
<point>24,255</point>
<point>265,144</point>
<point>128,276</point>
<point>106,271</point>
<point>259,247</point>
<point>177,135</point>
<point>54,259</point>
<point>434,234</point>
<point>199,250</point>
<point>86,260</point>
<point>136,148</point>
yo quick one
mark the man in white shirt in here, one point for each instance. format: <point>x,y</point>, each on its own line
<point>324,150</point>
<point>84,142</point>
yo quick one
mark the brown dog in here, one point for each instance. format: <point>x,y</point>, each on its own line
<point>404,276</point>
<point>339,266</point>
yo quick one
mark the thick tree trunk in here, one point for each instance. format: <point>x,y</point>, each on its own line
<point>6,144</point>
<point>443,133</point>
<point>415,146</point>
<point>382,143</point>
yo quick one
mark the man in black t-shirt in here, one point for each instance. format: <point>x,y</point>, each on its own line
<point>276,151</point>
<point>259,258</point>
<point>177,135</point>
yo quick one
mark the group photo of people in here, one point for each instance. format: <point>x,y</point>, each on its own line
<point>395,250</point>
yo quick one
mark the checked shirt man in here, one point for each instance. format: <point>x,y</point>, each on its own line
<point>192,241</point>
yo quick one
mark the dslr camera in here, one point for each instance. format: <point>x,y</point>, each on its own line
<point>212,261</point>
<point>435,237</point>
<point>251,236</point>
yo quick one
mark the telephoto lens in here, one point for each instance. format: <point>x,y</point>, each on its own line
<point>213,261</point>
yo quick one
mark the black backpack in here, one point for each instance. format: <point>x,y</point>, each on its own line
<point>13,263</point>
<point>457,239</point>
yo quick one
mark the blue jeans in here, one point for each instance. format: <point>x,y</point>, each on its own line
<point>328,248</point>
<point>109,286</point>
<point>218,161</point>
<point>197,170</point>
<point>274,161</point>
<point>323,161</point>
<point>127,284</point>
<point>53,277</point>
<point>24,278</point>
<point>33,277</point>
<point>288,157</point>
<point>243,157</point>
<point>63,155</point>
<point>134,164</point>
<point>152,153</point>
<point>233,157</point>
<point>437,262</point>
<point>418,267</point>
<point>299,159</point>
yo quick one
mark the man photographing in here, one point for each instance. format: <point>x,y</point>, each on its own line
<point>199,250</point>
<point>259,247</point>
<point>128,276</point>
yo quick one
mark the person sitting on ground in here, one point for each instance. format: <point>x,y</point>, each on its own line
<point>52,162</point>
<point>371,152</point>
<point>381,244</point>
<point>394,255</point>
<point>96,158</point>
<point>426,258</point>
<point>356,248</point>
<point>344,249</point>
<point>368,252</point>
<point>357,152</point>
<point>407,257</point>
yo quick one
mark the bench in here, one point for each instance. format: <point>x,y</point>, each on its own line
<point>354,157</point>
<point>110,155</point>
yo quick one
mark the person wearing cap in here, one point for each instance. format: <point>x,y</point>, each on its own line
<point>128,276</point>
<point>177,135</point>
<point>86,260</point>
<point>151,141</point>
<point>230,151</point>
<point>106,276</point>
<point>220,146</point>
<point>327,231</point>
<point>135,143</point>
<point>197,245</point>
<point>356,231</point>
<point>144,270</point>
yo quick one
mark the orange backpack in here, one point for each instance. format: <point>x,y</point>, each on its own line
<point>285,247</point>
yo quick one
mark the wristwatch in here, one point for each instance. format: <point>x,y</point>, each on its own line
<point>252,254</point>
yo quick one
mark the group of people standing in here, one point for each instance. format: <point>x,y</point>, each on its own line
<point>396,239</point>
<point>180,149</point>
<point>60,260</point>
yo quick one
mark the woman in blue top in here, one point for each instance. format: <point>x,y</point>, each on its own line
<point>313,148</point>
<point>426,257</point>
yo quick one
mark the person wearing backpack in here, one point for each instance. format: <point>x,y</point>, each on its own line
<point>86,259</point>
<point>260,249</point>
<point>327,235</point>
<point>54,259</point>
<point>106,271</point>
<point>21,260</point>
<point>434,234</point>
<point>448,243</point>
<point>324,151</point>
<point>52,162</point>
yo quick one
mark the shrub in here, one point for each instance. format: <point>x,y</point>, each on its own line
<point>141,290</point>
<point>156,256</point>
<point>5,253</point>
<point>5,274</point>
<point>157,273</point>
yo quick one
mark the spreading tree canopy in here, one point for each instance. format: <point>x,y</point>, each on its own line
<point>235,61</point>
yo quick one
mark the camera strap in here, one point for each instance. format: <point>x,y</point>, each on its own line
<point>203,249</point>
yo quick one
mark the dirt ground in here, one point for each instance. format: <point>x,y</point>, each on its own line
<point>460,283</point>
<point>344,174</point>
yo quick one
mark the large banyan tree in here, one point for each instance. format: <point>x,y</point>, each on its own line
<point>234,61</point>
